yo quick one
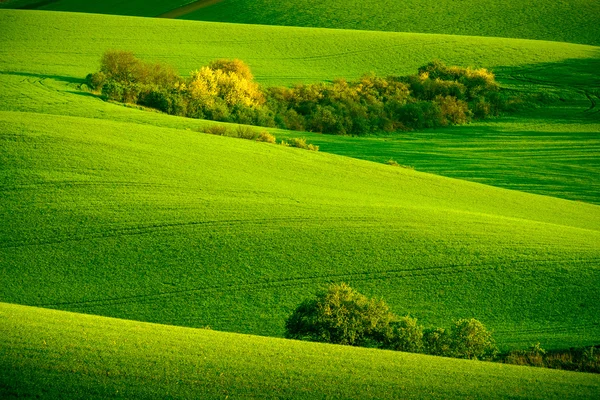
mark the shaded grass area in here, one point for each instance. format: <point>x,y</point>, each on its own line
<point>146,8</point>
<point>183,228</point>
<point>50,354</point>
<point>572,21</point>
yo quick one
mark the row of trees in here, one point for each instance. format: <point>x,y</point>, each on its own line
<point>343,316</point>
<point>225,91</point>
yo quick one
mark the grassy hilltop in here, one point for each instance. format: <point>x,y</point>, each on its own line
<point>563,21</point>
<point>177,227</point>
<point>485,152</point>
<point>54,354</point>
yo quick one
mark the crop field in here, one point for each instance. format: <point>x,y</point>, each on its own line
<point>176,227</point>
<point>121,212</point>
<point>44,75</point>
<point>142,8</point>
<point>562,21</point>
<point>57,354</point>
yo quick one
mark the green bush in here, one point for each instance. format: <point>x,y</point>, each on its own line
<point>405,335</point>
<point>218,130</point>
<point>245,132</point>
<point>266,137</point>
<point>340,315</point>
<point>437,342</point>
<point>470,339</point>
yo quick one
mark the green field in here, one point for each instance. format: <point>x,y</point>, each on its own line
<point>43,75</point>
<point>52,354</point>
<point>177,227</point>
<point>564,21</point>
<point>142,8</point>
<point>126,213</point>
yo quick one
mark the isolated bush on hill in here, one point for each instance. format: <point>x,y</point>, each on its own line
<point>340,315</point>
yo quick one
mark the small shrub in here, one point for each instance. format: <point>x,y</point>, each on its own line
<point>470,339</point>
<point>312,147</point>
<point>245,132</point>
<point>392,163</point>
<point>284,143</point>
<point>266,137</point>
<point>405,335</point>
<point>219,130</point>
<point>96,81</point>
<point>299,143</point>
<point>534,356</point>
<point>437,342</point>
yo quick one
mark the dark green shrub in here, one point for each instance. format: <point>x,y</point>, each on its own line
<point>470,339</point>
<point>96,80</point>
<point>405,335</point>
<point>421,114</point>
<point>113,90</point>
<point>437,342</point>
<point>340,315</point>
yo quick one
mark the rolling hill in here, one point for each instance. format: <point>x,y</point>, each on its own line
<point>563,21</point>
<point>54,354</point>
<point>45,74</point>
<point>117,211</point>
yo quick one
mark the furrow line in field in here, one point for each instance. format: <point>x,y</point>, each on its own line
<point>408,273</point>
<point>151,228</point>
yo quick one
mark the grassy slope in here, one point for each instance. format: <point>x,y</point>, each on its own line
<point>171,226</point>
<point>142,8</point>
<point>52,354</point>
<point>182,228</point>
<point>44,75</point>
<point>575,21</point>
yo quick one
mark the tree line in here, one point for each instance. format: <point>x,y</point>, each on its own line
<point>224,90</point>
<point>341,315</point>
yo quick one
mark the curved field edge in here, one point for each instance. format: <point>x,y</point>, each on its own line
<point>277,55</point>
<point>572,21</point>
<point>178,227</point>
<point>44,75</point>
<point>49,354</point>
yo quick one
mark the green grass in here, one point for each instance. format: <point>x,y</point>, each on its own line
<point>44,76</point>
<point>142,8</point>
<point>36,42</point>
<point>183,228</point>
<point>121,212</point>
<point>53,354</point>
<point>566,21</point>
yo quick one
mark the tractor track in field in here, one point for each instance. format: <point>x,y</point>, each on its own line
<point>152,228</point>
<point>188,8</point>
<point>591,96</point>
<point>407,273</point>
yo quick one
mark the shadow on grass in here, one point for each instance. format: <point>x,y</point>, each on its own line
<point>69,79</point>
